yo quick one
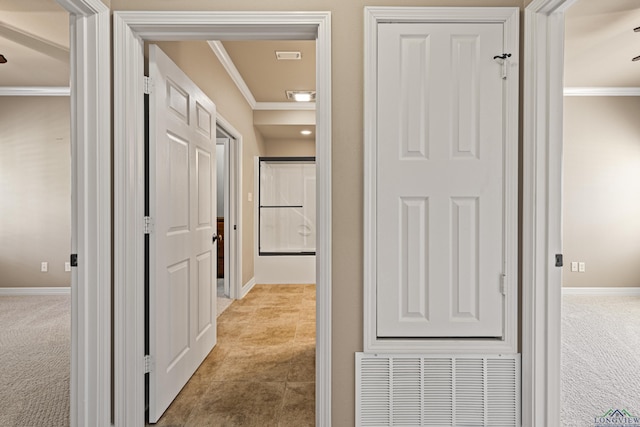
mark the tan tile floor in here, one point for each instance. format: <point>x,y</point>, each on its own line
<point>262,371</point>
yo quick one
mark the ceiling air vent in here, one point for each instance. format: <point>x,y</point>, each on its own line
<point>282,55</point>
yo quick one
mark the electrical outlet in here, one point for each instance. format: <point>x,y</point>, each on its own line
<point>574,266</point>
<point>581,267</point>
<point>249,197</point>
<point>67,266</point>
<point>44,266</point>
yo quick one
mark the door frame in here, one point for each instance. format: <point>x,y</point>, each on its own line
<point>232,208</point>
<point>509,17</point>
<point>90,95</point>
<point>130,30</point>
<point>542,211</point>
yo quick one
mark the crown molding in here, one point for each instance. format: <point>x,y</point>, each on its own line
<point>34,91</point>
<point>601,91</point>
<point>227,63</point>
<point>284,106</point>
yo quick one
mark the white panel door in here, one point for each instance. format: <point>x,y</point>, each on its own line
<point>440,178</point>
<point>182,297</point>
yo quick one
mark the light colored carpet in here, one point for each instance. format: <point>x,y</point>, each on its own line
<point>35,333</point>
<point>600,357</point>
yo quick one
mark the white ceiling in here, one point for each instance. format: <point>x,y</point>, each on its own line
<point>34,37</point>
<point>268,78</point>
<point>600,43</point>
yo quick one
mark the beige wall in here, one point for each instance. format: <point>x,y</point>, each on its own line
<point>347,161</point>
<point>35,191</point>
<point>199,62</point>
<point>601,200</point>
<point>289,148</point>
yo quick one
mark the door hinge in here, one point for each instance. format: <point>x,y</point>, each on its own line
<point>73,260</point>
<point>148,363</point>
<point>147,84</point>
<point>503,284</point>
<point>559,261</point>
<point>148,225</point>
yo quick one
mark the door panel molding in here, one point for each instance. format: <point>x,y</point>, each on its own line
<point>130,30</point>
<point>509,17</point>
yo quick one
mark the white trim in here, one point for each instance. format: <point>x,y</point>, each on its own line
<point>604,291</point>
<point>246,288</point>
<point>285,106</point>
<point>601,91</point>
<point>34,91</point>
<point>130,30</point>
<point>66,290</point>
<point>236,274</point>
<point>509,16</point>
<point>226,61</point>
<point>90,400</point>
<point>541,217</point>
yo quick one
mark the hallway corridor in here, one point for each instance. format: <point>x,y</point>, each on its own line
<point>262,371</point>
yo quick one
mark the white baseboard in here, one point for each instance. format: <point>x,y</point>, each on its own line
<point>620,292</point>
<point>35,291</point>
<point>247,287</point>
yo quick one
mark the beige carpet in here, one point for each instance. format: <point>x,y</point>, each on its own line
<point>34,360</point>
<point>600,357</point>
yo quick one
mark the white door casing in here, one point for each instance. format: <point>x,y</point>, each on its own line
<point>415,208</point>
<point>182,297</point>
<point>232,208</point>
<point>440,253</point>
<point>130,30</point>
<point>226,197</point>
<point>542,211</point>
<point>90,67</point>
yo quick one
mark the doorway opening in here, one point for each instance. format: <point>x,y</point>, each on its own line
<point>131,29</point>
<point>228,212</point>
<point>542,209</point>
<point>205,59</point>
<point>600,175</point>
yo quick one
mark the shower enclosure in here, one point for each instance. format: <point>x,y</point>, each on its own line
<point>287,209</point>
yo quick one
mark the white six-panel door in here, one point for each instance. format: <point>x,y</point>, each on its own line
<point>440,186</point>
<point>182,298</point>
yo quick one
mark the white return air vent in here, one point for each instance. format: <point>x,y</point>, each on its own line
<point>437,390</point>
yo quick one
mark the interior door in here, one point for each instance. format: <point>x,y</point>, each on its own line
<point>440,205</point>
<point>182,297</point>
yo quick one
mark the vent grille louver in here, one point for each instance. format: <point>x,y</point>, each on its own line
<point>437,390</point>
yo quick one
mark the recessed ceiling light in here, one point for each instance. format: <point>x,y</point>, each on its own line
<point>305,132</point>
<point>3,60</point>
<point>282,55</point>
<point>301,95</point>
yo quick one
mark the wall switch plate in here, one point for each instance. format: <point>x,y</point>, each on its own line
<point>44,266</point>
<point>581,267</point>
<point>249,197</point>
<point>67,266</point>
<point>574,266</point>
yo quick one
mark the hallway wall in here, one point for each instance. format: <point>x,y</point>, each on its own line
<point>35,190</point>
<point>347,167</point>
<point>601,194</point>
